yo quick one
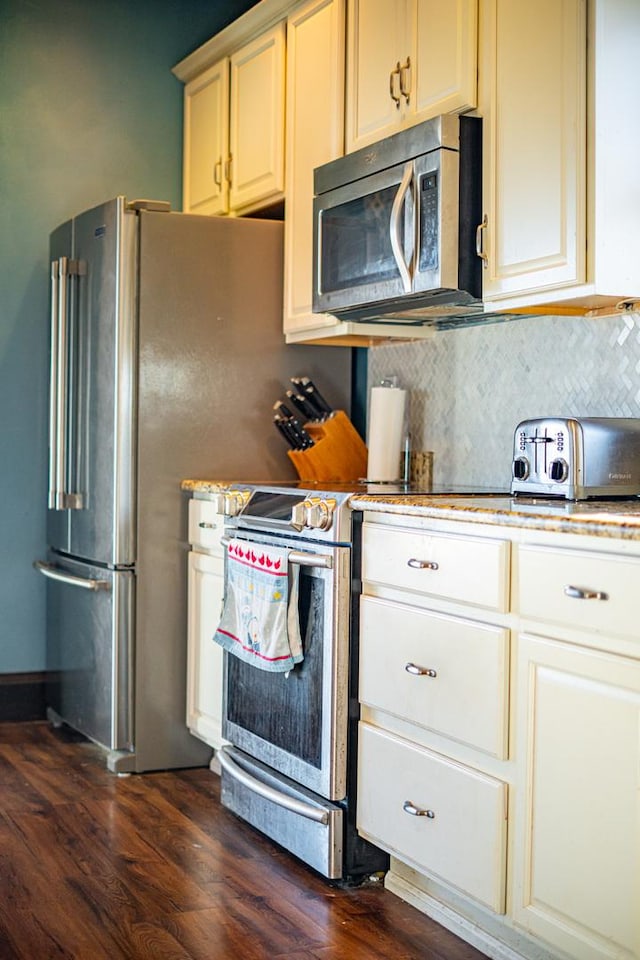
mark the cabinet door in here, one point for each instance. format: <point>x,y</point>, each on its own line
<point>204,657</point>
<point>257,120</point>
<point>314,135</point>
<point>206,141</point>
<point>377,45</point>
<point>577,843</point>
<point>446,57</point>
<point>407,61</point>
<point>533,83</point>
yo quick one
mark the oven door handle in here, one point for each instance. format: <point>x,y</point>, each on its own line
<point>269,793</point>
<point>298,557</point>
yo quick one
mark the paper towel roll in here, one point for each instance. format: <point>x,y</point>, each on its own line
<point>386,433</point>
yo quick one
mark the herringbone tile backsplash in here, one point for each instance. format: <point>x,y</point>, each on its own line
<point>470,387</point>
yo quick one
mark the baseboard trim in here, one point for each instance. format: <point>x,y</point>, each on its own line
<point>22,697</point>
<point>446,917</point>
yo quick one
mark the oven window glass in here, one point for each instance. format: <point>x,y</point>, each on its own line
<point>356,246</point>
<point>285,711</point>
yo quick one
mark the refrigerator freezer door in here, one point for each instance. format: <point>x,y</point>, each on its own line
<point>101,386</point>
<point>89,649</point>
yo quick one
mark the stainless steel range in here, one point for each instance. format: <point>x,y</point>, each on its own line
<point>290,769</point>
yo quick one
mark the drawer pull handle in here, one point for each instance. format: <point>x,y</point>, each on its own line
<point>207,526</point>
<point>417,671</point>
<point>580,593</point>
<point>411,808</point>
<point>422,564</point>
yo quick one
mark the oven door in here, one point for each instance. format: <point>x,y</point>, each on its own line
<point>296,724</point>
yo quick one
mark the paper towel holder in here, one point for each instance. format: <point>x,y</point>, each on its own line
<point>384,471</point>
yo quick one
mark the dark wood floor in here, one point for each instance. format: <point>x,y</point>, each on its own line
<point>99,867</point>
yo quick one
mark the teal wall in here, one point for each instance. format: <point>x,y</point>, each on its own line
<point>89,109</point>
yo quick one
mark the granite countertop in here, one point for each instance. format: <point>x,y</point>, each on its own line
<point>619,519</point>
<point>206,486</point>
<point>606,518</point>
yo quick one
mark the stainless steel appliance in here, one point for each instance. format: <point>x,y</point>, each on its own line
<point>577,458</point>
<point>290,771</point>
<point>397,226</point>
<point>167,349</point>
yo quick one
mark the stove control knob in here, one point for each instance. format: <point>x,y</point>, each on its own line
<point>559,470</point>
<point>520,468</point>
<point>320,514</point>
<point>233,501</point>
<point>299,516</point>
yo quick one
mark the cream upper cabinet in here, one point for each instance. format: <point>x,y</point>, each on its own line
<point>234,129</point>
<point>407,61</point>
<point>558,80</point>
<point>314,135</point>
<point>256,160</point>
<point>206,141</point>
<point>577,840</point>
<point>533,105</point>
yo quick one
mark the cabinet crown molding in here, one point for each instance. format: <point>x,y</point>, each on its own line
<point>258,18</point>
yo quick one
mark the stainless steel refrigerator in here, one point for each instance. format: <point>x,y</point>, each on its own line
<point>167,355</point>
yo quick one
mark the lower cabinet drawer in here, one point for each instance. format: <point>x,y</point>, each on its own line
<point>586,590</point>
<point>206,525</point>
<point>472,570</point>
<point>442,818</point>
<point>445,673</point>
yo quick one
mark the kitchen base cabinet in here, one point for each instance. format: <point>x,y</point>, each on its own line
<point>205,591</point>
<point>534,717</point>
<point>577,848</point>
<point>433,686</point>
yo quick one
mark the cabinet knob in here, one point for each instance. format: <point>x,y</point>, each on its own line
<point>581,593</point>
<point>422,564</point>
<point>207,526</point>
<point>414,811</point>
<point>417,671</point>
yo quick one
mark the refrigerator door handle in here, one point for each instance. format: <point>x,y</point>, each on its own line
<point>54,432</point>
<point>61,383</point>
<point>55,573</point>
<point>62,499</point>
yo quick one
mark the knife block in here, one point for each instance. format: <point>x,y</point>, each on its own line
<point>338,453</point>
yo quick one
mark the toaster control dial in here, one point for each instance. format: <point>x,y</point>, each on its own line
<point>520,468</point>
<point>558,470</point>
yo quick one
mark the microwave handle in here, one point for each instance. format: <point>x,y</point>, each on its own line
<point>395,228</point>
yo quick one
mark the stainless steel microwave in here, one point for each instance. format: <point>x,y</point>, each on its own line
<point>395,226</point>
